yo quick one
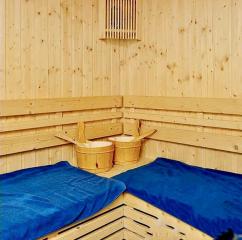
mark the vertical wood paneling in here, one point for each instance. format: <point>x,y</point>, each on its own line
<point>189,48</point>
<point>26,49</point>
<point>88,49</point>
<point>184,49</point>
<point>66,47</point>
<point>222,45</point>
<point>2,49</point>
<point>40,48</point>
<point>53,50</point>
<point>236,47</point>
<point>98,46</point>
<point>114,76</point>
<point>54,46</point>
<point>13,50</point>
<point>77,38</point>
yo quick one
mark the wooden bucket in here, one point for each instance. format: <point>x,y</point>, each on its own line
<point>96,156</point>
<point>126,152</point>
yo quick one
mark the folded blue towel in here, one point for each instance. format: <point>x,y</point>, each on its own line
<point>209,200</point>
<point>38,201</point>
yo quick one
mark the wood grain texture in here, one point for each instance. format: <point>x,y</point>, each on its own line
<point>157,223</point>
<point>90,228</point>
<point>63,120</point>
<point>36,106</point>
<point>187,49</point>
<point>11,145</point>
<point>168,117</point>
<point>187,104</point>
<point>193,138</point>
<point>51,49</point>
<point>2,48</point>
<point>47,50</point>
<point>200,131</point>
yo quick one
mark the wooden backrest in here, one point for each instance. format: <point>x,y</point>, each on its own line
<point>28,128</point>
<point>205,127</point>
<point>181,115</point>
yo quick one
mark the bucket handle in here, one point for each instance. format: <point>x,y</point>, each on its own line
<point>81,132</point>
<point>146,134</point>
<point>68,139</point>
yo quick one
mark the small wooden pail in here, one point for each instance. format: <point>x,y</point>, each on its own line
<point>126,152</point>
<point>96,156</point>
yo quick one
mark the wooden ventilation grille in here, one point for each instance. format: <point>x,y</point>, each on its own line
<point>119,19</point>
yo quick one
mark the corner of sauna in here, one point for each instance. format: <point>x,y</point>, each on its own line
<point>166,74</point>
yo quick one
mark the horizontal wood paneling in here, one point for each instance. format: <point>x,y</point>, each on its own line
<point>10,145</point>
<point>206,132</point>
<point>62,120</point>
<point>198,138</point>
<point>202,105</point>
<point>36,106</point>
<point>28,128</point>
<point>193,138</point>
<point>185,120</point>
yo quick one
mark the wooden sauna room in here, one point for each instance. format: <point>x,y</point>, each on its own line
<point>120,119</point>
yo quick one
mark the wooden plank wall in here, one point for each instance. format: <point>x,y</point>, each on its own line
<point>200,131</point>
<point>50,49</point>
<point>28,128</point>
<point>189,48</point>
<point>53,50</point>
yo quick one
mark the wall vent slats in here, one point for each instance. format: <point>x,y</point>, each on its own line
<point>118,19</point>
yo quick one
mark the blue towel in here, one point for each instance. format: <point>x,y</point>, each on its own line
<point>209,200</point>
<point>38,201</point>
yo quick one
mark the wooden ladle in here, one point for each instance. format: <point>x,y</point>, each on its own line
<point>146,134</point>
<point>68,139</point>
<point>81,135</point>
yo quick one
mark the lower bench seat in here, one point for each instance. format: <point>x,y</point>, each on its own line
<point>204,199</point>
<point>106,222</point>
<point>38,201</point>
<point>149,222</point>
<point>129,218</point>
